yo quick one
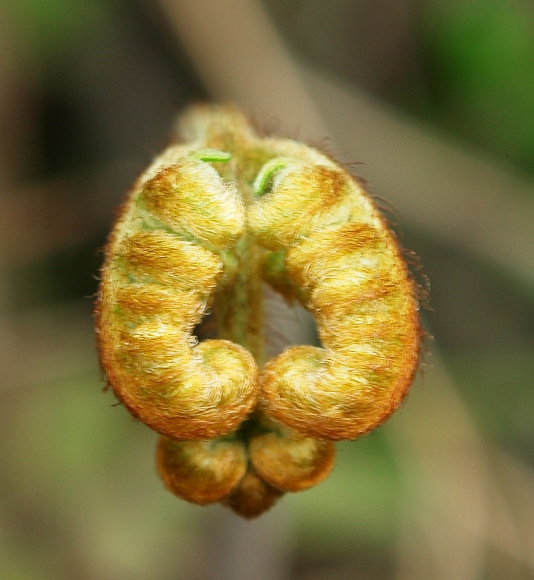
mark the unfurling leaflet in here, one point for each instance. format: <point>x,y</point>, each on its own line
<point>180,312</point>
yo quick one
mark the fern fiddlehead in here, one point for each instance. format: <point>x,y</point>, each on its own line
<point>205,227</point>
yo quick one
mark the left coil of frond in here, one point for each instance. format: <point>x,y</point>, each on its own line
<point>162,265</point>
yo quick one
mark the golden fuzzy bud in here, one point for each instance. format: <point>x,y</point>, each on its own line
<point>206,226</point>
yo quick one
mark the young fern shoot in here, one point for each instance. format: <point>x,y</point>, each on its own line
<point>204,229</point>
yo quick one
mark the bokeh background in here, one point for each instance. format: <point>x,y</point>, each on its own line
<point>436,101</point>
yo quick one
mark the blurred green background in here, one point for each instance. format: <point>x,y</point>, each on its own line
<point>88,93</point>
